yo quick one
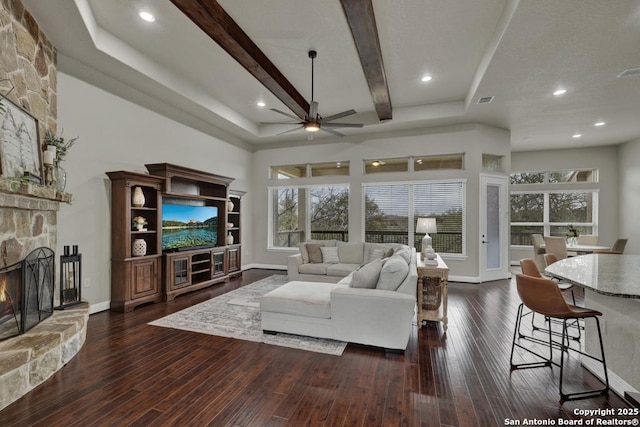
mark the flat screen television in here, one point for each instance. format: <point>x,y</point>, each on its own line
<point>188,227</point>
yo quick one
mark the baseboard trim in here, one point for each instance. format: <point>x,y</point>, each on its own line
<point>98,307</point>
<point>264,267</point>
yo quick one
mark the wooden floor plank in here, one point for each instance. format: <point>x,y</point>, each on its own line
<point>131,373</point>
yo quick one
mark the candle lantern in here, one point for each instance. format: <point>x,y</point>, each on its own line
<point>70,278</point>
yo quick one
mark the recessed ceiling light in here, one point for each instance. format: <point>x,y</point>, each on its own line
<point>261,104</point>
<point>559,92</point>
<point>577,135</point>
<point>426,78</point>
<point>147,16</point>
<point>598,124</point>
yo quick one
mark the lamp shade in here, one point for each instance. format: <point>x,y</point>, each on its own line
<point>426,225</point>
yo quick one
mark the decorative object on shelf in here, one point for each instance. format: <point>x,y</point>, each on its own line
<point>427,225</point>
<point>61,178</point>
<point>49,169</point>
<point>60,148</point>
<point>572,235</point>
<point>229,225</point>
<point>139,222</point>
<point>19,141</point>
<point>70,278</point>
<point>138,197</point>
<point>230,206</point>
<point>139,247</point>
<point>229,239</point>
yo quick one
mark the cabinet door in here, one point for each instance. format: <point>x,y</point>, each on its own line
<point>179,271</point>
<point>218,264</point>
<point>233,257</point>
<point>144,278</point>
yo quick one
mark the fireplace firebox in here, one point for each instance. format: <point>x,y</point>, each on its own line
<point>26,292</point>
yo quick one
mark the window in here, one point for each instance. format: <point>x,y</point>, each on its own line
<point>303,213</point>
<point>555,177</point>
<point>386,165</point>
<point>330,169</point>
<point>551,212</point>
<point>391,212</point>
<point>492,163</point>
<point>447,161</point>
<point>288,172</point>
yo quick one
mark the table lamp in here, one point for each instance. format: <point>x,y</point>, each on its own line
<point>427,225</point>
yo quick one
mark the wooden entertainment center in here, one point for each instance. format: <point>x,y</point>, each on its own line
<point>141,277</point>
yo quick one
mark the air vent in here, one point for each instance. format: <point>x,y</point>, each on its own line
<point>630,72</point>
<point>485,99</point>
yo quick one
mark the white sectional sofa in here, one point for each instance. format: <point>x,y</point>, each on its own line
<point>373,305</point>
<point>350,257</point>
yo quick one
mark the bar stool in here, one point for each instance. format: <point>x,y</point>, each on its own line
<point>543,296</point>
<point>529,268</point>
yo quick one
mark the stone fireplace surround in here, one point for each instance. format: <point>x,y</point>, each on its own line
<point>28,218</point>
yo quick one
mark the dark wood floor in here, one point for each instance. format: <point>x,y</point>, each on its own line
<point>129,373</point>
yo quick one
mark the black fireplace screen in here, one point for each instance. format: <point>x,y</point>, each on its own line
<point>26,292</point>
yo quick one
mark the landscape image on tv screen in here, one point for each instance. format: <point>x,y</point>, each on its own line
<point>186,226</point>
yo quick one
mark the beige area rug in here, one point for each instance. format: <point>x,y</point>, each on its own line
<point>236,314</point>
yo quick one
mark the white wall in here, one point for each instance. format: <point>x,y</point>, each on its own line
<point>115,134</point>
<point>629,181</point>
<point>474,140</point>
<point>604,159</point>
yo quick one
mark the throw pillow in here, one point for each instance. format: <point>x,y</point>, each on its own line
<point>304,252</point>
<point>330,254</point>
<point>315,254</point>
<point>367,276</point>
<point>393,273</point>
<point>351,253</point>
<point>405,253</point>
<point>376,254</point>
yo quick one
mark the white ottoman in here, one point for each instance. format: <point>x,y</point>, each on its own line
<point>302,308</point>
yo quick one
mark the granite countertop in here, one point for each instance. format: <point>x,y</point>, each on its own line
<point>614,275</point>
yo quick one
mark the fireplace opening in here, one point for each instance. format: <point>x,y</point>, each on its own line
<point>26,292</point>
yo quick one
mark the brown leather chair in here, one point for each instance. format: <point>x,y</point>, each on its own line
<point>564,286</point>
<point>529,268</point>
<point>542,296</point>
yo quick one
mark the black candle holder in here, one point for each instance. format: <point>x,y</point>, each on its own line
<point>70,278</point>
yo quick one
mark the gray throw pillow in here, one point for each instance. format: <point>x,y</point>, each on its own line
<point>405,253</point>
<point>304,252</point>
<point>315,254</point>
<point>367,275</point>
<point>330,254</point>
<point>393,273</point>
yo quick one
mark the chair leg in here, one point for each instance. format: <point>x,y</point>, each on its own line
<point>586,393</point>
<point>516,330</point>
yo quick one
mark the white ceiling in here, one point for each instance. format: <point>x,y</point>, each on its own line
<point>517,51</point>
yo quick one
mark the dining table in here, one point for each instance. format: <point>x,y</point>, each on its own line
<point>583,249</point>
<point>611,286</point>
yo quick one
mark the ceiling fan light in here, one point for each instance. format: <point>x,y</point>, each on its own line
<point>312,127</point>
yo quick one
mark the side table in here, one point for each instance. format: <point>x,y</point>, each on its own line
<point>433,292</point>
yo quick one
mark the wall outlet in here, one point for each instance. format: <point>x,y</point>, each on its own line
<point>86,283</point>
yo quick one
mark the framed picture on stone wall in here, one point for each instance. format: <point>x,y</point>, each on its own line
<point>20,152</point>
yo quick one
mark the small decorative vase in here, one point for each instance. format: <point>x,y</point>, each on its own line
<point>230,206</point>
<point>139,247</point>
<point>140,227</point>
<point>138,197</point>
<point>61,178</point>
<point>230,239</point>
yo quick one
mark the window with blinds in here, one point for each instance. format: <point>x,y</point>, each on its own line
<point>390,208</point>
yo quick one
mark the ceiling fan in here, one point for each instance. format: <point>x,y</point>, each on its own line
<point>314,122</point>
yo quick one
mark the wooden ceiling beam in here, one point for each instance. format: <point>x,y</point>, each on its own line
<point>362,21</point>
<point>217,24</point>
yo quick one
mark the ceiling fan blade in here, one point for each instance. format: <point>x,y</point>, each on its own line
<point>285,114</point>
<point>281,123</point>
<point>337,116</point>
<point>342,125</point>
<point>313,110</point>
<point>331,131</point>
<point>291,130</point>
